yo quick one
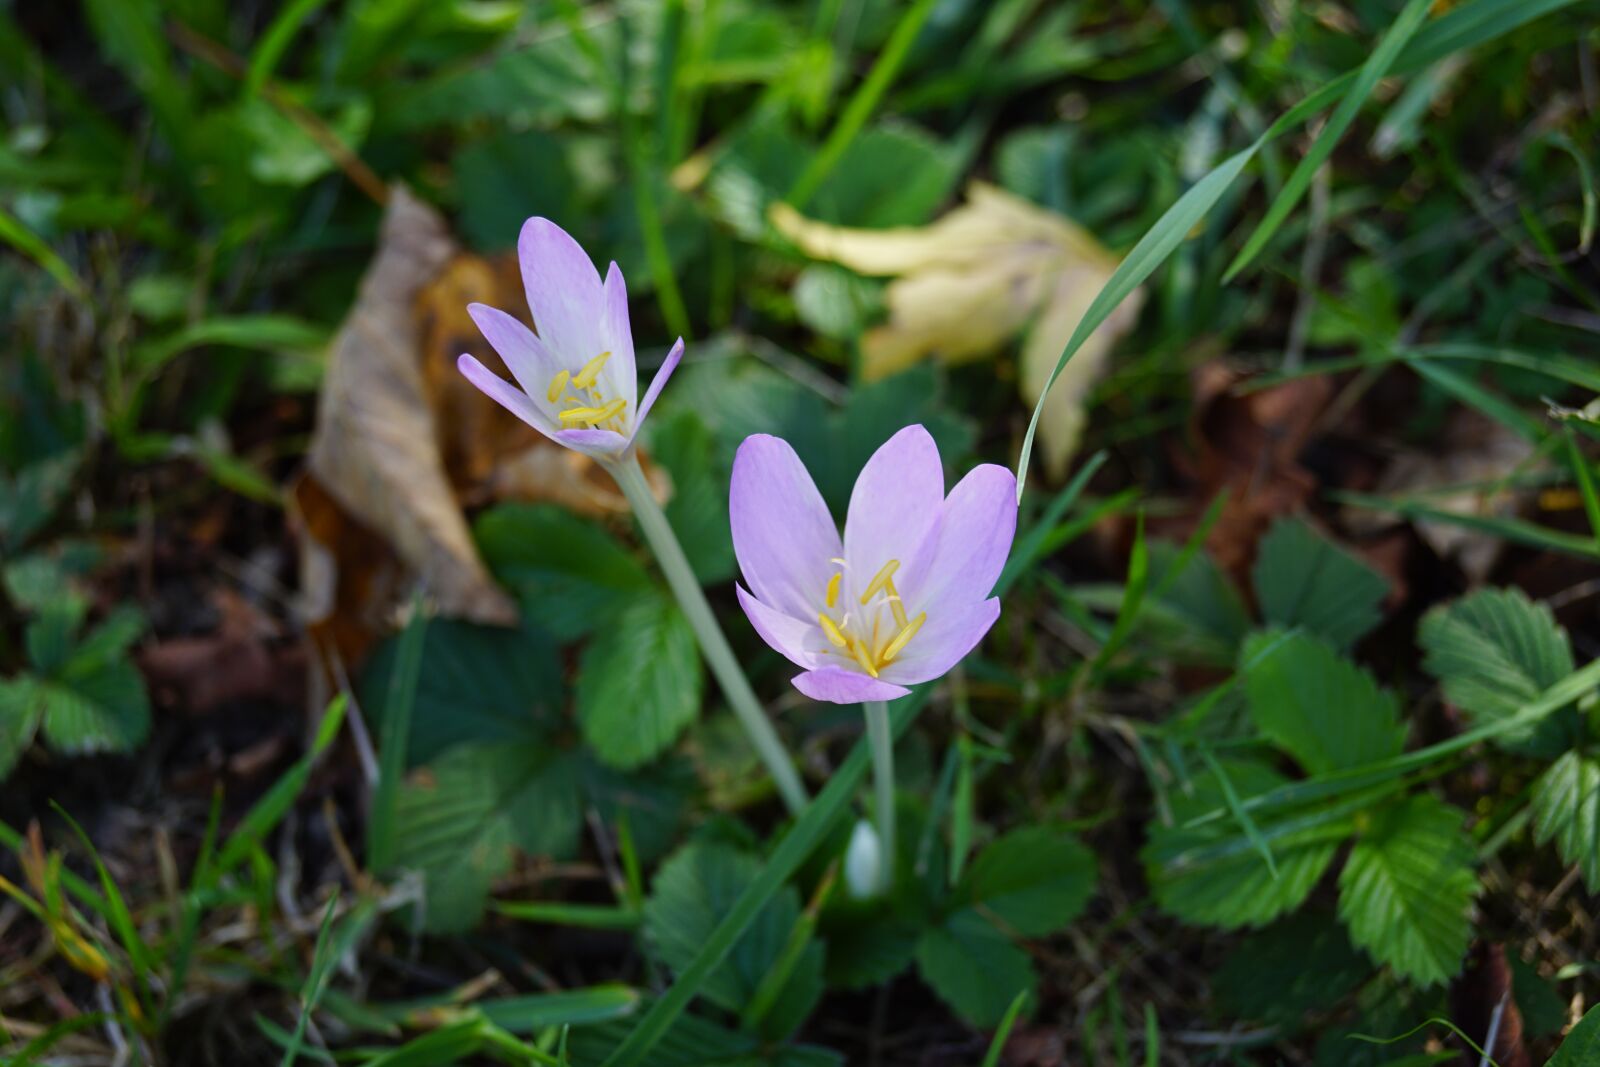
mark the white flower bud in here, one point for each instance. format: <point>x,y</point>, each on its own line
<point>863,875</point>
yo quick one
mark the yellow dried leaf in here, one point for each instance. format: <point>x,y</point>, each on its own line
<point>969,282</point>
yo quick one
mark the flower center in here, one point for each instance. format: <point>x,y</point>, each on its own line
<point>859,634</point>
<point>583,405</point>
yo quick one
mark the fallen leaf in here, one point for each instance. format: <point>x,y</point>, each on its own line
<point>968,283</point>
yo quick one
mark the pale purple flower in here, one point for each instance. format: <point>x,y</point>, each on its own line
<point>578,380</point>
<point>902,597</point>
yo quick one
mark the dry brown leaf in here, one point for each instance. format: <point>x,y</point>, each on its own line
<point>375,449</point>
<point>969,282</point>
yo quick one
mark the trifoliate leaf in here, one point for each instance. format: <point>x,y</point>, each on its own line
<point>1494,652</point>
<point>1213,875</point>
<point>639,683</point>
<point>1297,965</point>
<point>1406,892</point>
<point>1566,810</point>
<point>460,817</point>
<point>1582,1046</point>
<point>692,892</point>
<point>1316,705</point>
<point>974,967</point>
<point>102,708</point>
<point>1034,880</point>
<point>1302,579</point>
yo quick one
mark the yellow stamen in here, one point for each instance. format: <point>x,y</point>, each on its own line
<point>585,378</point>
<point>558,385</point>
<point>833,590</point>
<point>611,410</point>
<point>859,651</point>
<point>831,628</point>
<point>902,639</point>
<point>576,417</point>
<point>880,579</point>
<point>895,604</point>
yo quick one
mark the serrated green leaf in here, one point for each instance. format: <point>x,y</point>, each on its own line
<point>639,683</point>
<point>1316,705</point>
<point>460,818</point>
<point>19,718</point>
<point>871,950</point>
<point>1406,892</point>
<point>1566,810</point>
<point>692,891</point>
<point>104,709</point>
<point>1198,612</point>
<point>1297,965</point>
<point>477,683</point>
<point>1237,889</point>
<point>1302,579</point>
<point>1582,1046</point>
<point>974,967</point>
<point>569,574</point>
<point>1494,652</point>
<point>30,497</point>
<point>506,177</point>
<point>1034,880</point>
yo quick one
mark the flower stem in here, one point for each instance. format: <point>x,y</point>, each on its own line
<point>713,644</point>
<point>880,738</point>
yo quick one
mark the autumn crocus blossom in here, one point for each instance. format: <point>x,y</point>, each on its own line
<point>577,381</point>
<point>902,597</point>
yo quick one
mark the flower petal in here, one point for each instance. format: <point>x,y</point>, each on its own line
<point>896,498</point>
<point>783,535</point>
<point>839,686</point>
<point>525,356</point>
<point>942,642</point>
<point>784,633</point>
<point>505,394</point>
<point>564,292</point>
<point>602,444</point>
<point>966,550</point>
<point>621,372</point>
<point>658,383</point>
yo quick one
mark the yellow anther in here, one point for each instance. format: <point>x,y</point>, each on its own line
<point>837,559</point>
<point>831,628</point>
<point>858,649</point>
<point>833,590</point>
<point>611,410</point>
<point>591,370</point>
<point>895,603</point>
<point>880,579</point>
<point>902,639</point>
<point>575,417</point>
<point>558,385</point>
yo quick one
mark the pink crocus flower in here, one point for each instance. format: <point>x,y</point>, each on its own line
<point>902,597</point>
<point>577,381</point>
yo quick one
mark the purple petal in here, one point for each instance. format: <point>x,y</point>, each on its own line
<point>783,632</point>
<point>530,362</point>
<point>783,535</point>
<point>564,292</point>
<point>598,443</point>
<point>621,372</point>
<point>942,642</point>
<point>658,383</point>
<point>505,394</point>
<point>896,498</point>
<point>839,686</point>
<point>966,550</point>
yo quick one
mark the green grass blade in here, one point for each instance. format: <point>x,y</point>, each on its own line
<point>316,982</point>
<point>1476,396</point>
<point>1586,486</point>
<point>1003,1031</point>
<point>1377,65</point>
<point>118,914</point>
<point>1517,530</point>
<point>809,831</point>
<point>1251,831</point>
<point>275,41</point>
<point>395,740</point>
<point>559,913</point>
<point>25,241</point>
<point>1030,547</point>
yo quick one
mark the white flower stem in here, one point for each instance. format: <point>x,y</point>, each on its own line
<point>880,739</point>
<point>713,643</point>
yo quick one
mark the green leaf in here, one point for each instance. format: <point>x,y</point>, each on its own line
<point>834,302</point>
<point>1494,652</point>
<point>19,718</point>
<point>1302,579</point>
<point>503,179</point>
<point>1316,705</point>
<point>894,175</point>
<point>478,683</point>
<point>1236,888</point>
<point>870,948</point>
<point>697,1042</point>
<point>692,891</point>
<point>1406,892</point>
<point>459,819</point>
<point>1297,965</point>
<point>1566,810</point>
<point>639,683</point>
<point>1197,613</point>
<point>101,709</point>
<point>570,575</point>
<point>1034,880</point>
<point>1582,1046</point>
<point>29,498</point>
<point>570,1007</point>
<point>974,967</point>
